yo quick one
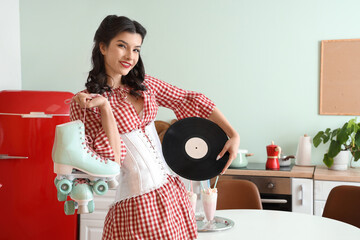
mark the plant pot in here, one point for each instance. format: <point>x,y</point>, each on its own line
<point>341,161</point>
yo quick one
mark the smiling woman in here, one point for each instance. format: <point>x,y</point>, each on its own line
<point>121,103</point>
<point>112,41</point>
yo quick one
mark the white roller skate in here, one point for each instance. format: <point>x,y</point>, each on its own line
<point>73,159</point>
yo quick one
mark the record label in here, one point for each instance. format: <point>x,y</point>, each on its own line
<point>191,146</point>
<point>196,148</point>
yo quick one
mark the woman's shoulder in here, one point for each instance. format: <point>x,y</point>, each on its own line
<point>150,79</point>
<point>152,82</point>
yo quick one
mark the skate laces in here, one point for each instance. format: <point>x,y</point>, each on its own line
<point>88,141</point>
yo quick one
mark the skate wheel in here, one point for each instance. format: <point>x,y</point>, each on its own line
<point>69,207</point>
<point>61,197</point>
<point>100,187</point>
<point>91,206</point>
<point>64,186</point>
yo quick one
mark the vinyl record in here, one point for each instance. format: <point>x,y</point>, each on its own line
<point>191,146</point>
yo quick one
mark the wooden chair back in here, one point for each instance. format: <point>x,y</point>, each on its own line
<point>238,194</point>
<point>343,204</point>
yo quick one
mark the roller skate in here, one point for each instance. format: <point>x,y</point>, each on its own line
<point>74,161</point>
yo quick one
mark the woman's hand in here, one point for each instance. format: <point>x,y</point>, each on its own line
<point>108,121</point>
<point>231,146</point>
<point>86,100</point>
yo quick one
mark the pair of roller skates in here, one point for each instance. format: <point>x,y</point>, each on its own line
<point>80,171</point>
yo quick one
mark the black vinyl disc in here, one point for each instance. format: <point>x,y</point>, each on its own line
<point>191,146</point>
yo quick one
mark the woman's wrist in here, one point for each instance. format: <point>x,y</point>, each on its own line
<point>234,134</point>
<point>105,107</point>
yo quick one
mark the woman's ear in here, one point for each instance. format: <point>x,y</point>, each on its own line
<point>102,47</point>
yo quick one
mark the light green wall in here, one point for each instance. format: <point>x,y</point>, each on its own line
<point>257,59</point>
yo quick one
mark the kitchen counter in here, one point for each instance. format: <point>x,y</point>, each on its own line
<point>296,172</point>
<point>350,175</point>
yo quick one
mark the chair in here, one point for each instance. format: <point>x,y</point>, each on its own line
<point>237,194</point>
<point>161,128</point>
<point>343,204</point>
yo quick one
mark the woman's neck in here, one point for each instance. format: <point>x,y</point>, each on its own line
<point>115,81</point>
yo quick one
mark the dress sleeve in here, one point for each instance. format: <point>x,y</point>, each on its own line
<point>184,103</point>
<point>95,134</point>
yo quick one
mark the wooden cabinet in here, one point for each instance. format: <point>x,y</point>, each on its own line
<point>91,225</point>
<point>302,195</point>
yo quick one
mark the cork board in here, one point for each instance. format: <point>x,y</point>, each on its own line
<point>340,77</point>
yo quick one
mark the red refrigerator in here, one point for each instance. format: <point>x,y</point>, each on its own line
<point>29,208</point>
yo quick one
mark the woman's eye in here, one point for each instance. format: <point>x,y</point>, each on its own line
<point>137,50</point>
<point>121,45</point>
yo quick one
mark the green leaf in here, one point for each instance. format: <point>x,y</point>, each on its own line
<point>356,155</point>
<point>327,131</point>
<point>334,148</point>
<point>343,135</point>
<point>317,138</point>
<point>357,139</point>
<point>334,133</point>
<point>328,160</point>
<point>351,124</point>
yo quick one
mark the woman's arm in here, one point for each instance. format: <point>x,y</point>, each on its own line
<point>232,145</point>
<point>107,119</point>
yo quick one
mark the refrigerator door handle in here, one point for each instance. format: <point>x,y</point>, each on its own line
<point>5,156</point>
<point>36,115</point>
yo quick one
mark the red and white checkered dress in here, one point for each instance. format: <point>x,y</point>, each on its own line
<point>164,213</point>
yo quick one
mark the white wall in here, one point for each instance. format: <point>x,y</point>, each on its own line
<point>10,62</point>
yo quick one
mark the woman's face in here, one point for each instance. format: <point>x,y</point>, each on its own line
<point>122,54</point>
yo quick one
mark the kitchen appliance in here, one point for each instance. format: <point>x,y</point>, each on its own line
<point>241,159</point>
<point>275,192</point>
<point>273,153</point>
<point>28,198</point>
<point>303,153</point>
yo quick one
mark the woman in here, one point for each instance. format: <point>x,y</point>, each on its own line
<point>122,103</point>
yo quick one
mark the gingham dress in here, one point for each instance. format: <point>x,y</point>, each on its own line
<point>164,212</point>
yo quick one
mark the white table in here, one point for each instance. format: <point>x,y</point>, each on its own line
<point>279,225</point>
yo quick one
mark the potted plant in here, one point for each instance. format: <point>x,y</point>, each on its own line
<point>346,138</point>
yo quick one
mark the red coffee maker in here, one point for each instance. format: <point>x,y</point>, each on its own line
<point>273,153</point>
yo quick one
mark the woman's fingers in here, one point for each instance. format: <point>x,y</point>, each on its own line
<point>231,146</point>
<point>231,158</point>
<point>88,100</point>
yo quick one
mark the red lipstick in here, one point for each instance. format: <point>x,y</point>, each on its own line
<point>125,64</point>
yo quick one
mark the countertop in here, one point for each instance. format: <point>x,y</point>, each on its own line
<point>296,172</point>
<point>318,172</point>
<point>350,175</point>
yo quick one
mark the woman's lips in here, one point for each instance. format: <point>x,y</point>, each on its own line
<point>125,64</point>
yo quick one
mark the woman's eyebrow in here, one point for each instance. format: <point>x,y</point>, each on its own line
<point>127,43</point>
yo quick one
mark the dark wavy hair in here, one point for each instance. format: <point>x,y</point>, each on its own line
<point>111,26</point>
